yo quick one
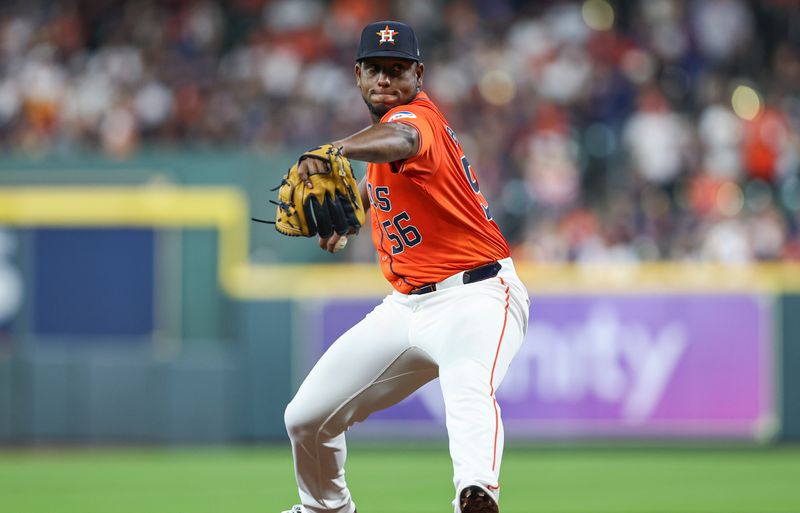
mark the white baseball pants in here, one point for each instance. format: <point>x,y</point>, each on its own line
<point>464,334</point>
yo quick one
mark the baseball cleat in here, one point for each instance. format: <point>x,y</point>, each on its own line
<point>474,499</point>
<point>298,509</point>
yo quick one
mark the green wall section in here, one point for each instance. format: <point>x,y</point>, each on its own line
<point>7,406</point>
<point>203,305</point>
<point>790,367</point>
<point>234,390</point>
<point>82,396</point>
<point>265,366</point>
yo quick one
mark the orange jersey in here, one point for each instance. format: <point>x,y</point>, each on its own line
<point>429,218</point>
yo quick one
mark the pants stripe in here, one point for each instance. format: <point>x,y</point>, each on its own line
<point>491,378</point>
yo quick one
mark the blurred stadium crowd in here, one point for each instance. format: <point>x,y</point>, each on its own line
<point>600,129</point>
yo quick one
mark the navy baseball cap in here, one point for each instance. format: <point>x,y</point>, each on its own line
<point>388,39</point>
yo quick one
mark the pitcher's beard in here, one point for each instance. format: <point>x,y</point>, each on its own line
<point>378,110</point>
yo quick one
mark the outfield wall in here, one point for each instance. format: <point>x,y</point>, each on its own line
<point>139,304</point>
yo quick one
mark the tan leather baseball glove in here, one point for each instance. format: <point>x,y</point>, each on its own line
<point>332,204</point>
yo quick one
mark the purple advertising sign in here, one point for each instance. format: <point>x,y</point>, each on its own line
<point>634,365</point>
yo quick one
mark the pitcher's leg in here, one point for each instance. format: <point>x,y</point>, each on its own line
<point>368,368</point>
<point>477,354</point>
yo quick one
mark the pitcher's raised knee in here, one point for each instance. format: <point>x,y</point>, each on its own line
<point>300,425</point>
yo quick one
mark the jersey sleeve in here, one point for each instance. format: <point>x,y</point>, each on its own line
<point>416,117</point>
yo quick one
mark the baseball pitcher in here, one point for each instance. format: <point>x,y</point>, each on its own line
<point>458,311</point>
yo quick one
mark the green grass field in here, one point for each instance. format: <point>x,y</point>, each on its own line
<point>260,480</point>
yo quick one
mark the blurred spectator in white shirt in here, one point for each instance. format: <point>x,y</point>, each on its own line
<point>722,28</point>
<point>657,139</point>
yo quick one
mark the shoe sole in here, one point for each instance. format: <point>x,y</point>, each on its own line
<point>476,500</point>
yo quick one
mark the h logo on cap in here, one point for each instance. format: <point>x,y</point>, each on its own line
<point>387,35</point>
<point>402,43</point>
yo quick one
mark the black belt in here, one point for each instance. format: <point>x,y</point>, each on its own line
<point>481,273</point>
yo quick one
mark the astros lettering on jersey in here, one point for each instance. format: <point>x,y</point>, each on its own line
<point>407,233</point>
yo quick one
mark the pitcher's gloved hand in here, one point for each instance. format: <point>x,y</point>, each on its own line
<point>319,197</point>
